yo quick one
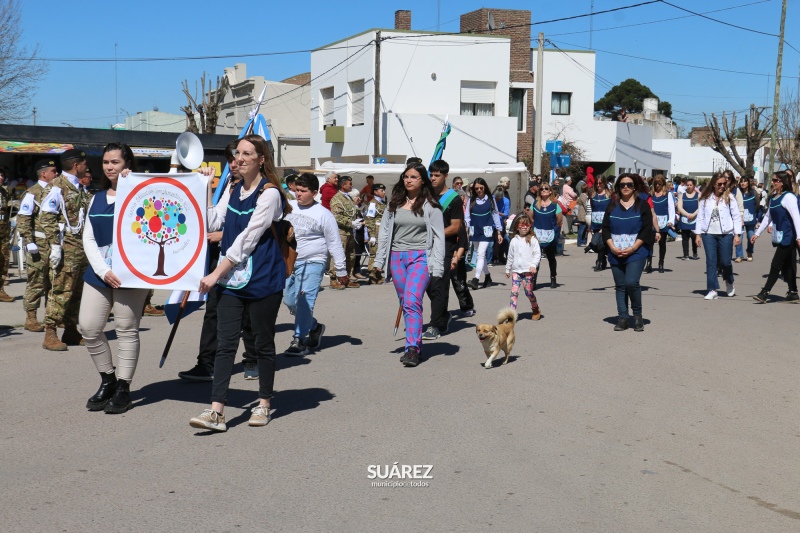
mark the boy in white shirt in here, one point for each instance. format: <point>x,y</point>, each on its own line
<point>317,235</point>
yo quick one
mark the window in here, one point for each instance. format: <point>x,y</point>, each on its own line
<point>326,106</point>
<point>357,103</point>
<point>560,103</point>
<point>477,98</point>
<point>516,107</point>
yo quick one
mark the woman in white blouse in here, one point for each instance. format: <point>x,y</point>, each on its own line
<point>249,277</point>
<point>719,225</point>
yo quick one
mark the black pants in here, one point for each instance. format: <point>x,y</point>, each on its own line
<point>459,281</point>
<point>783,262</point>
<point>208,335</point>
<point>686,236</point>
<point>662,247</point>
<point>439,293</point>
<point>263,314</point>
<point>550,252</point>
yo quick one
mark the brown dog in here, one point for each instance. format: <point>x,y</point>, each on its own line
<point>499,337</point>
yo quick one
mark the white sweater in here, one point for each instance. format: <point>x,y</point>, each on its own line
<point>317,233</point>
<point>522,256</point>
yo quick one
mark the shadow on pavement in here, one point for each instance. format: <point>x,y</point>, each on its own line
<point>613,320</point>
<point>7,331</point>
<point>330,341</point>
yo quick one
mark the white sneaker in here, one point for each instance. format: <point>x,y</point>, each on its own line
<point>209,419</point>
<point>712,295</point>
<point>260,416</point>
<point>730,289</point>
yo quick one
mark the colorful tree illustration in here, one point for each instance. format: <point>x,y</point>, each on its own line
<point>160,222</point>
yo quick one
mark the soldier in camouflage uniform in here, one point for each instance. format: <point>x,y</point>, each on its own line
<point>5,236</point>
<point>372,218</point>
<point>348,218</point>
<point>37,250</point>
<point>62,214</point>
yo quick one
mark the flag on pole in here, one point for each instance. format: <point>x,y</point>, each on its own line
<point>439,150</point>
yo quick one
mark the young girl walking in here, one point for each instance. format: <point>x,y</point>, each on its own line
<point>524,255</point>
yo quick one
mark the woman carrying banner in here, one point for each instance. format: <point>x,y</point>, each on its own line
<point>412,241</point>
<point>102,293</point>
<point>249,277</point>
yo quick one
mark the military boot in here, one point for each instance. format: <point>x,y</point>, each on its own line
<point>4,296</point>
<point>72,337</point>
<point>51,341</point>
<point>31,323</point>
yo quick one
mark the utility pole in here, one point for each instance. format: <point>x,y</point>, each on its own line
<point>376,117</point>
<point>777,100</point>
<point>116,85</point>
<point>591,24</point>
<point>537,128</point>
<point>34,116</point>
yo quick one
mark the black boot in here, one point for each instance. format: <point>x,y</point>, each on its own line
<point>473,284</point>
<point>121,401</point>
<point>622,324</point>
<point>603,262</point>
<point>762,296</point>
<point>108,386</point>
<point>487,281</point>
<point>648,269</point>
<point>661,267</point>
<point>638,323</point>
<point>597,267</point>
<point>553,284</point>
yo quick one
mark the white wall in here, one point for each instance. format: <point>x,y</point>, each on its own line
<point>691,160</point>
<point>156,121</point>
<point>410,95</point>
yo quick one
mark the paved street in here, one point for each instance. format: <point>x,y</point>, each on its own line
<point>690,426</point>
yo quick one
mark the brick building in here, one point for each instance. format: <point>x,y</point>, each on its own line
<point>515,24</point>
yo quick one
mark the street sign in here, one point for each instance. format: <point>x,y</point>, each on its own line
<point>553,147</point>
<point>564,160</point>
<point>553,160</point>
<point>378,160</point>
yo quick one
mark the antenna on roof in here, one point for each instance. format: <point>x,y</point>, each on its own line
<point>490,26</point>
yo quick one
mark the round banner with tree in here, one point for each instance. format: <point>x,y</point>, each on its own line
<point>159,231</point>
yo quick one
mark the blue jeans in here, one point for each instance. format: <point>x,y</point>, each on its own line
<point>300,295</point>
<point>582,234</point>
<point>719,248</point>
<point>749,231</point>
<point>626,286</point>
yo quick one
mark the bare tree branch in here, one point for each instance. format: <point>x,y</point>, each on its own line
<point>20,68</point>
<point>726,147</point>
<point>207,111</point>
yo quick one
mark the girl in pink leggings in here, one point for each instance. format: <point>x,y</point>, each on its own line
<point>411,240</point>
<point>524,255</point>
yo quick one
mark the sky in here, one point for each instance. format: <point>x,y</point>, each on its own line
<point>696,64</point>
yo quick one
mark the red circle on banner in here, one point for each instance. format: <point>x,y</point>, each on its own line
<point>200,240</point>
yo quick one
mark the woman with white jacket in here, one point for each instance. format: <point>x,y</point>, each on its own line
<point>719,225</point>
<point>524,254</point>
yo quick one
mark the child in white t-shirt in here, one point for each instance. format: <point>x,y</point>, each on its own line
<point>524,255</point>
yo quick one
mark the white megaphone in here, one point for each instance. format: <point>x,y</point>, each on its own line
<point>188,152</point>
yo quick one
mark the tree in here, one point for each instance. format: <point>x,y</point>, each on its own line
<point>208,108</point>
<point>628,95</point>
<point>754,139</point>
<point>20,68</point>
<point>160,222</point>
<point>788,151</point>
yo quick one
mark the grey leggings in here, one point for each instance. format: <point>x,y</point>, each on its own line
<point>96,305</point>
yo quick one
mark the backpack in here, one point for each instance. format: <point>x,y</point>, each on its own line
<point>284,237</point>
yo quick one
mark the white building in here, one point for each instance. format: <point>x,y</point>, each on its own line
<point>663,126</point>
<point>156,121</point>
<point>423,79</point>
<point>285,108</point>
<point>568,80</point>
<point>701,161</point>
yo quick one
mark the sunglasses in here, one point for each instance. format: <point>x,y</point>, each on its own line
<point>775,180</point>
<point>626,185</point>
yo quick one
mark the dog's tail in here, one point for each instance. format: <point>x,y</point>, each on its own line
<point>507,315</point>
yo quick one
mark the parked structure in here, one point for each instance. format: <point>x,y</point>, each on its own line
<point>285,108</point>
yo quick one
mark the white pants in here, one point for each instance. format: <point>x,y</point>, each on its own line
<point>481,267</point>
<point>96,305</point>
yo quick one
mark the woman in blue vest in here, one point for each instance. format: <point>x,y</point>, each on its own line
<point>483,222</point>
<point>664,207</point>
<point>599,202</point>
<point>547,220</point>
<point>249,277</point>
<point>688,205</point>
<point>749,216</point>
<point>784,216</point>
<point>644,195</point>
<point>627,232</point>
<point>102,293</point>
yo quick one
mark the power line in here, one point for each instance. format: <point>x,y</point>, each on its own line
<point>727,23</point>
<point>658,21</point>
